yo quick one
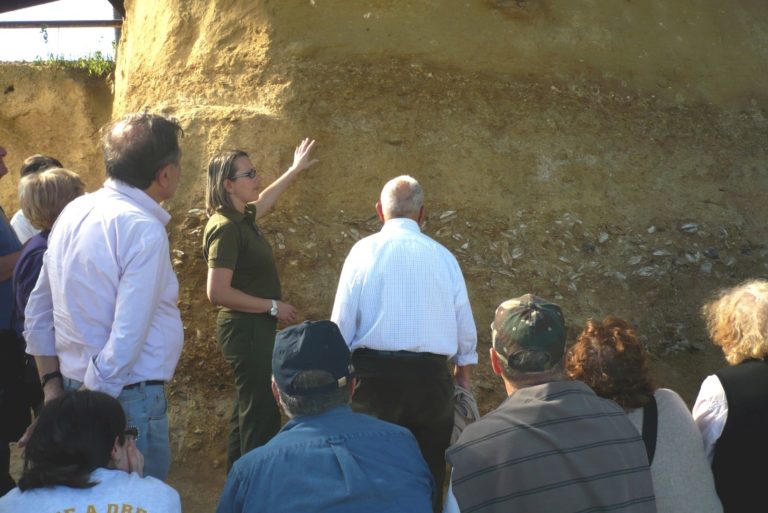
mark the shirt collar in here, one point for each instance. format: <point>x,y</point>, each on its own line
<point>233,215</point>
<point>401,223</point>
<point>139,197</point>
<point>333,412</point>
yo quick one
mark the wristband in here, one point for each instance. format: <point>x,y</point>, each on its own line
<point>48,377</point>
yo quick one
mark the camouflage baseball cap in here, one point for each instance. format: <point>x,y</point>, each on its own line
<point>528,334</point>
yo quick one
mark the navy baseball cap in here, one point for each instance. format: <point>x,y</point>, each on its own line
<point>311,345</point>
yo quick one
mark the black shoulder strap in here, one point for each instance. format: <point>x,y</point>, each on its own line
<point>650,426</point>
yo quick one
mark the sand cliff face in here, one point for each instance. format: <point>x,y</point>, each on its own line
<point>610,156</point>
<point>55,112</point>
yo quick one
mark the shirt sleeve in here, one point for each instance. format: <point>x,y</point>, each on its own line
<point>144,274</point>
<point>172,502</point>
<point>23,228</point>
<point>231,500</point>
<point>25,276</point>
<point>38,322</point>
<point>465,324</point>
<point>451,505</point>
<point>710,413</point>
<point>222,245</point>
<point>346,304</point>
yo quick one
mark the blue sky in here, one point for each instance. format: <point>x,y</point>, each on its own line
<point>28,44</point>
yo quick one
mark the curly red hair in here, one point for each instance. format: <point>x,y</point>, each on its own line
<point>608,357</point>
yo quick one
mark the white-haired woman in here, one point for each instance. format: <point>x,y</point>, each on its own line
<point>732,407</point>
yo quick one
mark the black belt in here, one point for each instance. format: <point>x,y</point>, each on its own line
<point>146,383</point>
<point>399,354</point>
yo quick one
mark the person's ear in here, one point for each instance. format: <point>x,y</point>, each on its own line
<point>380,211</point>
<point>119,459</point>
<point>116,449</point>
<point>161,177</point>
<point>495,364</point>
<point>421,215</point>
<point>276,395</point>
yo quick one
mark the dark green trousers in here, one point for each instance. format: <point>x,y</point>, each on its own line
<point>246,341</point>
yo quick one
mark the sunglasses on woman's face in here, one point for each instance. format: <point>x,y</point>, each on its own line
<point>251,174</point>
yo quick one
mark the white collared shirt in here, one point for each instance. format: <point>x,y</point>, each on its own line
<point>105,302</point>
<point>400,290</point>
<point>23,228</point>
<point>710,411</point>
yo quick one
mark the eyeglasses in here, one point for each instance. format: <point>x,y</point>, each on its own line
<point>251,174</point>
<point>132,432</point>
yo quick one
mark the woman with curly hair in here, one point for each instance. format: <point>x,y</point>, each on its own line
<point>609,358</point>
<point>732,407</point>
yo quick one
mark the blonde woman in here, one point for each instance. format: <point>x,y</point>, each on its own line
<point>43,196</point>
<point>243,281</point>
<point>732,407</point>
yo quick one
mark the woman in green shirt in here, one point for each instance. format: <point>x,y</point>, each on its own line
<point>243,281</point>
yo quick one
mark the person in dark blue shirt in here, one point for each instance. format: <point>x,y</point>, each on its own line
<point>326,458</point>
<point>11,349</point>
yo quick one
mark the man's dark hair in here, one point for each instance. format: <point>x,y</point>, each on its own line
<point>522,379</point>
<point>301,405</point>
<point>137,146</point>
<point>37,163</point>
<point>74,436</point>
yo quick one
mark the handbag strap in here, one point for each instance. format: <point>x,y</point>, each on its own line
<point>650,428</point>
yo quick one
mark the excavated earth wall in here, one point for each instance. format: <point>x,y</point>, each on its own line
<point>55,112</point>
<point>611,156</point>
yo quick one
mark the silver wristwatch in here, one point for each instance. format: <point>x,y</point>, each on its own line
<point>273,310</point>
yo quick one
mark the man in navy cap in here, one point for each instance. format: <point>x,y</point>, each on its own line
<point>326,458</point>
<point>553,445</point>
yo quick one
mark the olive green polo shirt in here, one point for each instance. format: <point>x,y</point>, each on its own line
<point>233,241</point>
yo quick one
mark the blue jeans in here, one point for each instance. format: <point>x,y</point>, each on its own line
<point>145,408</point>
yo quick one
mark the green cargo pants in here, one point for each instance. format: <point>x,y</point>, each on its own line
<point>246,341</point>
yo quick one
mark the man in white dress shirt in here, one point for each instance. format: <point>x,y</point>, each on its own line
<point>403,309</point>
<point>103,314</point>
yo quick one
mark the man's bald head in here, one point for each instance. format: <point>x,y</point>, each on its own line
<point>402,197</point>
